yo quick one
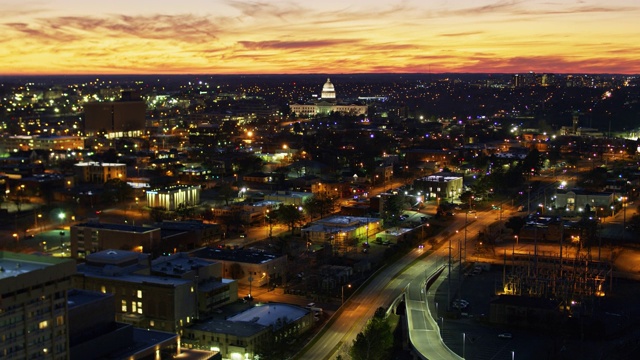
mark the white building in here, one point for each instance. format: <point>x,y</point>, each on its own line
<point>172,197</point>
<point>328,103</point>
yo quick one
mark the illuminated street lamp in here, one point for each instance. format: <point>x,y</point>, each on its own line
<point>349,286</point>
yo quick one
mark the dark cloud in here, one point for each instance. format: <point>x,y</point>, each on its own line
<point>284,45</point>
<point>186,28</point>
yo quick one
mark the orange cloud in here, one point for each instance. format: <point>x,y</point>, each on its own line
<point>295,37</point>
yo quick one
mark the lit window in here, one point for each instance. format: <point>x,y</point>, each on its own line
<point>139,307</point>
<point>43,324</point>
<point>139,294</point>
<point>60,320</point>
<point>152,323</point>
<point>133,306</point>
<point>124,306</point>
<point>103,289</point>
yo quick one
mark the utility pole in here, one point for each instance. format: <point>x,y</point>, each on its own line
<point>449,280</point>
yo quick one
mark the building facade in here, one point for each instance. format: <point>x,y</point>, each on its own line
<point>442,185</point>
<point>100,173</point>
<point>255,331</point>
<point>90,237</point>
<point>327,104</point>
<point>170,198</point>
<point>123,118</point>
<point>34,312</point>
<point>154,302</point>
<point>253,268</point>
<point>578,199</point>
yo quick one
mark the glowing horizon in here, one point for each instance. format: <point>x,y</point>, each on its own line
<point>70,37</point>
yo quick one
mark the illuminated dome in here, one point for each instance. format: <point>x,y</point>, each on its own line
<point>328,91</point>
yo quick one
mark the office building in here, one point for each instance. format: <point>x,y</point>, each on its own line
<point>33,316</point>
<point>99,173</point>
<point>122,118</point>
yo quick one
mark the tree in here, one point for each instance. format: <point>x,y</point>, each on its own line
<point>226,192</point>
<point>466,197</point>
<point>515,223</point>
<point>375,341</point>
<point>118,189</point>
<point>319,205</point>
<point>289,215</point>
<point>157,213</point>
<point>392,209</point>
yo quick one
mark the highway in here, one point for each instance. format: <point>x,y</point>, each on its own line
<point>407,274</point>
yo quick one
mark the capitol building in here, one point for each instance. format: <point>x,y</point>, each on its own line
<point>326,104</point>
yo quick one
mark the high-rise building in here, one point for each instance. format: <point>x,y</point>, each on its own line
<point>122,118</point>
<point>33,306</point>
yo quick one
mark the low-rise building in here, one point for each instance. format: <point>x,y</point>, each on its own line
<point>172,197</point>
<point>342,230</point>
<point>99,173</point>
<point>94,334</point>
<point>93,236</point>
<point>578,199</point>
<point>248,267</point>
<point>288,197</point>
<point>142,300</point>
<point>255,331</point>
<point>443,185</point>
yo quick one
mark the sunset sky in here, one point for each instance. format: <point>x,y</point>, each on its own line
<point>328,36</point>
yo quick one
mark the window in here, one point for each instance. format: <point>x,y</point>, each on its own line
<point>43,324</point>
<point>60,320</point>
<point>139,307</point>
<point>103,289</point>
<point>124,306</point>
<point>139,294</point>
<point>152,323</point>
<point>133,306</point>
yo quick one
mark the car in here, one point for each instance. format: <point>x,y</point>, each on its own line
<point>505,336</point>
<point>421,246</point>
<point>248,298</point>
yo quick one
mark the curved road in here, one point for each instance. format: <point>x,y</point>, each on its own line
<point>411,270</point>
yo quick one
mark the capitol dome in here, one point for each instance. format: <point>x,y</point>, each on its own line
<point>328,91</point>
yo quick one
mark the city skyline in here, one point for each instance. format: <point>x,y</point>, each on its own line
<point>236,37</point>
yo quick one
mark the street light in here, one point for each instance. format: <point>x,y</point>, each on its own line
<point>464,336</point>
<point>349,286</point>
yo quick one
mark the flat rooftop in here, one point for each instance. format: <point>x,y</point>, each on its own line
<point>269,313</point>
<point>21,271</point>
<point>118,227</point>
<point>245,256</point>
<point>16,264</point>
